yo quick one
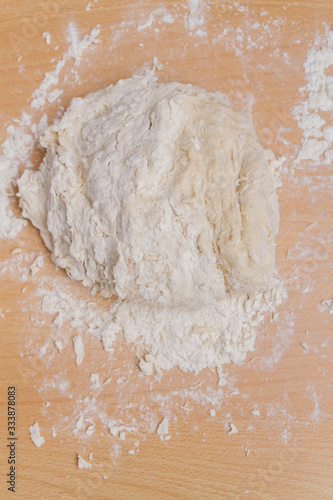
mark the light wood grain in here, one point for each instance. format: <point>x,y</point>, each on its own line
<point>188,466</point>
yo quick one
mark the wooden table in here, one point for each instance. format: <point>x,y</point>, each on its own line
<point>253,51</point>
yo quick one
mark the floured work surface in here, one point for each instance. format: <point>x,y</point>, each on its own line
<point>109,430</point>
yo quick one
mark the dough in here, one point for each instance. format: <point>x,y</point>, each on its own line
<point>162,195</point>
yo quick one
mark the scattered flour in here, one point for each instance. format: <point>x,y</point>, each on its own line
<point>315,415</point>
<point>65,307</point>
<point>16,149</point>
<point>51,78</point>
<point>195,20</point>
<point>286,436</point>
<point>317,141</point>
<point>77,47</point>
<point>147,23</point>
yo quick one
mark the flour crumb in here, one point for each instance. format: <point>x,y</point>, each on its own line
<point>255,413</point>
<point>36,265</point>
<point>285,436</point>
<point>82,464</point>
<point>35,436</point>
<point>58,345</point>
<point>235,392</point>
<point>324,343</point>
<point>326,305</point>
<point>47,37</point>
<point>146,367</point>
<point>232,429</point>
<point>16,251</point>
<point>163,429</point>
<point>212,413</point>
<point>94,379</point>
<point>78,349</point>
<point>157,64</point>
<point>90,430</point>
<point>146,24</point>
<point>131,452</point>
<point>54,95</point>
<point>117,429</point>
<point>54,432</point>
<point>168,18</point>
<point>305,346</point>
<point>78,424</point>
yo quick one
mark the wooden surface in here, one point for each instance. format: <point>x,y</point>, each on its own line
<point>290,443</point>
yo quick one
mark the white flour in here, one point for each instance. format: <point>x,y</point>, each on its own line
<point>51,79</point>
<point>311,114</point>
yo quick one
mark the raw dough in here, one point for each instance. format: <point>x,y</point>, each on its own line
<point>162,195</point>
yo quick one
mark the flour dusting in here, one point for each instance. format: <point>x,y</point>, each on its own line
<point>317,137</point>
<point>48,352</point>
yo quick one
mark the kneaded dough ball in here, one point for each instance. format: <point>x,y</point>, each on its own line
<point>156,192</point>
